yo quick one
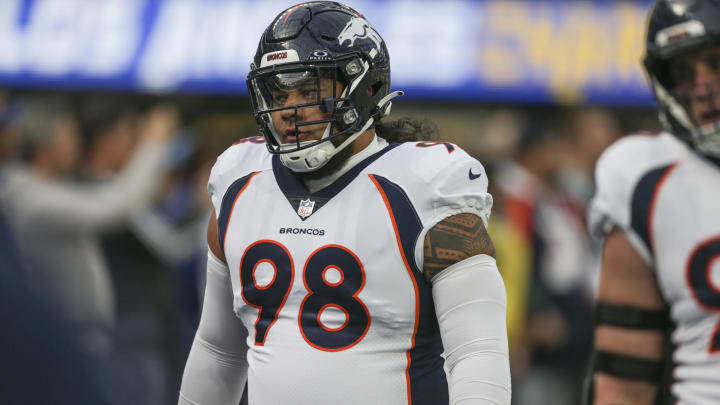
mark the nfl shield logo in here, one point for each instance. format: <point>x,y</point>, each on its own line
<point>306,208</point>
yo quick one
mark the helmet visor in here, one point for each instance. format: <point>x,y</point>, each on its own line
<point>284,90</point>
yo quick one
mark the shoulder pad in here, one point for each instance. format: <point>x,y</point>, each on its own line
<point>626,176</point>
<point>429,159</point>
<point>445,177</point>
<point>439,180</point>
<point>242,158</point>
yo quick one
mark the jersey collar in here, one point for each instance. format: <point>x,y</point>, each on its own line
<point>295,191</point>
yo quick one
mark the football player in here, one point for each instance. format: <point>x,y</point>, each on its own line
<point>657,207</point>
<point>342,263</point>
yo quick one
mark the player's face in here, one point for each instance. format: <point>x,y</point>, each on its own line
<point>697,85</point>
<point>304,91</point>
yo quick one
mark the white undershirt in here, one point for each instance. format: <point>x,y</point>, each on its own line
<point>376,145</point>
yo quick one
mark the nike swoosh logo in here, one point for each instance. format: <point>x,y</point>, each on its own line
<point>473,176</point>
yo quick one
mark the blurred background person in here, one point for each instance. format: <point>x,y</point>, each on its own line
<point>144,335</point>
<point>513,251</point>
<point>56,220</point>
<point>657,321</point>
<point>36,343</point>
<point>590,131</point>
<point>541,192</point>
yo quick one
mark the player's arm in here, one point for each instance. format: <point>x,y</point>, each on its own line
<point>91,208</point>
<point>470,303</point>
<point>216,370</point>
<point>629,336</point>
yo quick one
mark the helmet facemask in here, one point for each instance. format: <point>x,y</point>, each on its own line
<point>324,85</point>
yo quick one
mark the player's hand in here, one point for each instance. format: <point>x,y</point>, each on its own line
<point>160,123</point>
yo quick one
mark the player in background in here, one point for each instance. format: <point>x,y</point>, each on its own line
<point>343,263</point>
<point>657,207</point>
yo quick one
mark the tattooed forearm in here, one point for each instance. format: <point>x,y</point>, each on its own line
<point>455,239</point>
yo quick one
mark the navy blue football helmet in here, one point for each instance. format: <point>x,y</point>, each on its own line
<point>676,28</point>
<point>311,41</point>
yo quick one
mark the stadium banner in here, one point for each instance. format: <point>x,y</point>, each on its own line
<point>484,50</point>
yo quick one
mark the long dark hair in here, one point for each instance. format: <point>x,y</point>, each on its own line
<point>407,129</point>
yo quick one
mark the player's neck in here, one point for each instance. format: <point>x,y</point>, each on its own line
<point>375,145</point>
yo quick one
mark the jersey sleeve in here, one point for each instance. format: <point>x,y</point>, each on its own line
<point>626,176</point>
<point>450,184</point>
<point>458,189</point>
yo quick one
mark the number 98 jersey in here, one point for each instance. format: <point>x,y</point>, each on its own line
<point>666,199</point>
<point>328,284</point>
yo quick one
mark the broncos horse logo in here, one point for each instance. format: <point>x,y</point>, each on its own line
<point>358,28</point>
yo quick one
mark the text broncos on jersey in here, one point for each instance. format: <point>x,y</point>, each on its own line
<point>303,231</point>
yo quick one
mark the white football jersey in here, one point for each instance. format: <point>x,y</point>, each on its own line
<point>329,284</point>
<point>667,200</point>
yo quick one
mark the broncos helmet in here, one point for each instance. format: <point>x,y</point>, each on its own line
<point>315,40</point>
<point>677,27</point>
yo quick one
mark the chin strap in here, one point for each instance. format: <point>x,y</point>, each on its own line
<point>317,157</point>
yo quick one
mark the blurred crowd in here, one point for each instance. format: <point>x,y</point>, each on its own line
<point>542,184</point>
<point>103,211</point>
